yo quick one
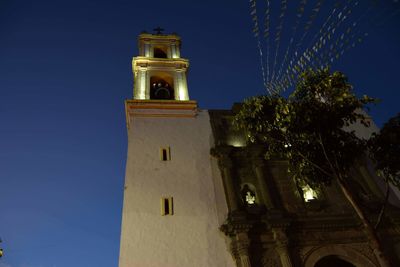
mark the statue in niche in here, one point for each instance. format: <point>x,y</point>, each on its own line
<point>248,195</point>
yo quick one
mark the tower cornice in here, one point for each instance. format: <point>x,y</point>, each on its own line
<point>159,37</point>
<point>159,108</point>
<point>159,63</point>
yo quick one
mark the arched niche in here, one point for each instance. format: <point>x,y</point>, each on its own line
<point>162,86</point>
<point>340,253</point>
<point>248,193</point>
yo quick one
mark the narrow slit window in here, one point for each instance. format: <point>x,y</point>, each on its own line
<point>167,206</point>
<point>165,154</point>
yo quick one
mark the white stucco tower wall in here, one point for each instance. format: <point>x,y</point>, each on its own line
<point>190,236</point>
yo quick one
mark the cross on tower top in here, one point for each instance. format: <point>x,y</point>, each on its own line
<point>158,30</point>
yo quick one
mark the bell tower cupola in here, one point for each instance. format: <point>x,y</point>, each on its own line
<point>159,71</point>
<point>160,87</point>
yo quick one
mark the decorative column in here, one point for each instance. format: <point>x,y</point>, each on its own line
<point>174,53</point>
<point>147,52</point>
<point>141,90</point>
<point>259,164</point>
<point>282,242</point>
<point>136,84</point>
<point>181,92</point>
<point>243,244</point>
<point>176,49</point>
<point>185,94</point>
<point>235,253</point>
<point>225,164</point>
<point>147,83</point>
<point>178,84</point>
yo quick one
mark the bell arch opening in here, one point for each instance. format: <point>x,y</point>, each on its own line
<point>333,261</point>
<point>162,87</point>
<point>160,52</point>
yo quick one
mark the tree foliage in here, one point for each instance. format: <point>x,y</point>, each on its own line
<point>385,150</point>
<point>309,127</point>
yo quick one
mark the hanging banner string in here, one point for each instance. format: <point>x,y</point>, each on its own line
<point>335,9</point>
<point>315,10</point>
<point>347,24</point>
<point>323,30</point>
<point>345,40</point>
<point>256,32</point>
<point>358,35</point>
<point>312,54</point>
<point>333,46</point>
<point>278,35</point>
<point>309,23</point>
<point>266,37</point>
<point>296,67</point>
<point>299,15</point>
<point>348,39</point>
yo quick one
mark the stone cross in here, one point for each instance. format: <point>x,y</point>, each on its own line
<point>158,30</point>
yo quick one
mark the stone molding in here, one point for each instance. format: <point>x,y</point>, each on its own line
<point>236,223</point>
<point>159,108</point>
<point>159,63</point>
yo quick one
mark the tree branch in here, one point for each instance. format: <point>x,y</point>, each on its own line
<point>326,155</point>
<point>315,165</point>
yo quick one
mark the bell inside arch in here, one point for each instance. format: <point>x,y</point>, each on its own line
<point>162,90</point>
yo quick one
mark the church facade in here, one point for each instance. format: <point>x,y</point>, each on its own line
<point>197,195</point>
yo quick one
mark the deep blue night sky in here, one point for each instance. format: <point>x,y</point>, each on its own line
<point>65,70</point>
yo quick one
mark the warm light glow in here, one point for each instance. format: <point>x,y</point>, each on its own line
<point>236,142</point>
<point>182,87</point>
<point>174,51</point>
<point>308,193</point>
<point>250,199</point>
<point>182,93</point>
<point>147,50</point>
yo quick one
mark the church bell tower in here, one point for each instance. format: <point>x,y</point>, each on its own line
<point>170,211</point>
<point>159,71</point>
<point>160,85</point>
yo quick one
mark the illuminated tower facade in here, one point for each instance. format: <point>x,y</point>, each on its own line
<point>170,211</point>
<point>159,71</point>
<point>196,194</point>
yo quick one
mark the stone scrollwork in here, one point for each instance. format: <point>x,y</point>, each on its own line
<point>239,248</point>
<point>280,236</point>
<point>271,259</point>
<point>282,242</point>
